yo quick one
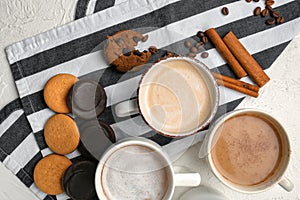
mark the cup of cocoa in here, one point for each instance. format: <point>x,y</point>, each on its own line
<point>137,168</point>
<point>248,150</point>
<point>176,97</point>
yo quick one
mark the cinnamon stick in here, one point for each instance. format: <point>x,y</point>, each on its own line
<point>236,82</point>
<point>225,52</point>
<point>237,88</point>
<point>246,60</point>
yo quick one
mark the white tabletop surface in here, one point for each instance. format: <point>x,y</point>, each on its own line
<point>280,97</point>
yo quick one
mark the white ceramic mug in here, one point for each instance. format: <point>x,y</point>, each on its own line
<point>186,98</point>
<point>174,180</point>
<point>278,176</point>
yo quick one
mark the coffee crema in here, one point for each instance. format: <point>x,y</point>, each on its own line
<point>174,97</point>
<point>135,172</point>
<point>246,150</point>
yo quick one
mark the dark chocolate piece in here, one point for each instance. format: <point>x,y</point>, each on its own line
<point>96,136</point>
<point>87,99</point>
<point>78,181</point>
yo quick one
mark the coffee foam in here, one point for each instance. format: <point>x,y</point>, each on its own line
<point>246,154</point>
<point>174,97</point>
<point>135,172</point>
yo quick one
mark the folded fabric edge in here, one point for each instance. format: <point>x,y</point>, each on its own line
<point>80,28</point>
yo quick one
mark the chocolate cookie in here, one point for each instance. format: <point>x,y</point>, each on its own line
<point>79,181</point>
<point>56,92</point>
<point>96,136</point>
<point>61,134</point>
<point>87,99</point>
<point>120,50</point>
<point>48,173</point>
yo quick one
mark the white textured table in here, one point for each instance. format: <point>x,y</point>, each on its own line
<point>280,97</point>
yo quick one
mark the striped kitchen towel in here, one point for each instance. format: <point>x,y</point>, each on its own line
<point>73,48</point>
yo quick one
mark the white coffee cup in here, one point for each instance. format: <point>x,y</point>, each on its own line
<point>173,180</point>
<point>184,101</point>
<point>278,176</point>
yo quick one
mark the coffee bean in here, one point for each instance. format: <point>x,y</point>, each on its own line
<point>200,34</point>
<point>248,1</point>
<point>204,54</point>
<point>126,52</point>
<point>191,55</point>
<point>269,8</point>
<point>204,40</point>
<point>153,49</point>
<point>136,39</point>
<point>270,2</point>
<point>279,20</point>
<point>256,0</point>
<point>193,50</point>
<point>145,38</point>
<point>264,12</point>
<point>276,14</point>
<point>270,21</point>
<point>257,11</point>
<point>188,44</point>
<point>225,11</point>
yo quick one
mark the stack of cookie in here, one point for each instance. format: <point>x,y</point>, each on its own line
<point>85,99</point>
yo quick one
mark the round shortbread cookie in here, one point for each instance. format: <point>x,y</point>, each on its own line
<point>56,91</point>
<point>61,134</point>
<point>48,173</point>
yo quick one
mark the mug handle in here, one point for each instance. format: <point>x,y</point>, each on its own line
<point>127,108</point>
<point>286,184</point>
<point>187,180</point>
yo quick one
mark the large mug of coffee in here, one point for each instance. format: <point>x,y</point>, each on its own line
<point>248,150</point>
<point>137,168</point>
<point>176,97</point>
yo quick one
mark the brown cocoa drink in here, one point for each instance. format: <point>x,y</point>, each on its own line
<point>247,149</point>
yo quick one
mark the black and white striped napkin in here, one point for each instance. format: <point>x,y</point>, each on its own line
<point>71,49</point>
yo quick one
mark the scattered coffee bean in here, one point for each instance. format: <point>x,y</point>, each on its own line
<point>256,0</point>
<point>145,38</point>
<point>153,49</point>
<point>257,11</point>
<point>269,8</point>
<point>204,40</point>
<point>225,11</point>
<point>270,2</point>
<point>276,14</point>
<point>270,21</point>
<point>136,39</point>
<point>204,54</point>
<point>279,20</point>
<point>264,12</point>
<point>191,55</point>
<point>188,44</point>
<point>193,50</point>
<point>200,34</point>
<point>199,45</point>
<point>248,1</point>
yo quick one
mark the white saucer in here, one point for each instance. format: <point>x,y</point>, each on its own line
<point>203,193</point>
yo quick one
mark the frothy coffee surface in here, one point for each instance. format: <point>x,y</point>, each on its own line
<point>174,97</point>
<point>135,173</point>
<point>247,151</point>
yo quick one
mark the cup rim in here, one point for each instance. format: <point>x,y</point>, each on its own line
<point>219,122</point>
<point>215,101</point>
<point>126,142</point>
